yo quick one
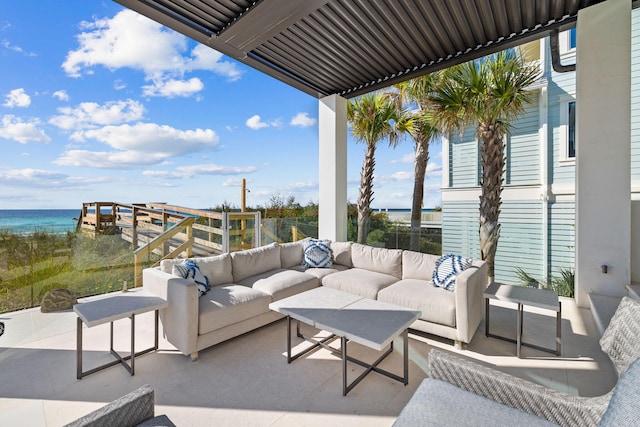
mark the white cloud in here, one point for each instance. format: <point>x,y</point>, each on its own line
<point>15,48</point>
<point>17,98</point>
<point>16,129</point>
<point>434,169</point>
<point>255,122</point>
<point>302,120</point>
<point>62,95</point>
<point>90,114</point>
<point>407,158</point>
<point>182,172</point>
<point>134,41</point>
<point>173,88</point>
<point>138,145</point>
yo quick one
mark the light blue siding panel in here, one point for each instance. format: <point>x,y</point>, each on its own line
<point>463,160</point>
<point>523,148</point>
<point>520,243</point>
<point>635,94</point>
<point>561,236</point>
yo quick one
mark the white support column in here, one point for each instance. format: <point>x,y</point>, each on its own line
<point>603,126</point>
<point>332,138</point>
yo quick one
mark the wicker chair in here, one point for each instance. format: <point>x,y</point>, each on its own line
<point>132,409</point>
<point>461,392</point>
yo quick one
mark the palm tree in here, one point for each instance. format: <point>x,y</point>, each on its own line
<point>490,92</point>
<point>417,91</point>
<point>373,117</point>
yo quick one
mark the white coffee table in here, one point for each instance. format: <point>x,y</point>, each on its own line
<point>110,309</point>
<point>523,295</point>
<point>351,318</point>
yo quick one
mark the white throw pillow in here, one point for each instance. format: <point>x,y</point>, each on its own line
<point>447,269</point>
<point>318,254</point>
<point>189,270</point>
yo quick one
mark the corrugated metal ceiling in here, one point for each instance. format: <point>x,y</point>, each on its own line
<point>345,47</point>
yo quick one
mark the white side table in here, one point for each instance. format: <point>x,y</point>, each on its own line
<point>110,309</point>
<point>523,295</point>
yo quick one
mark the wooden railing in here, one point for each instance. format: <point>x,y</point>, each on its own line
<point>143,253</point>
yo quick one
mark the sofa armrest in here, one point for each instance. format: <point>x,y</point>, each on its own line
<point>180,318</point>
<point>129,410</point>
<point>560,408</point>
<point>470,287</point>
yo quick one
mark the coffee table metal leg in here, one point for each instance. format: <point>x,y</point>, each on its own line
<point>405,339</point>
<point>519,331</point>
<point>343,346</point>
<point>133,343</point>
<point>559,330</point>
<point>486,317</point>
<point>289,359</point>
<point>79,349</point>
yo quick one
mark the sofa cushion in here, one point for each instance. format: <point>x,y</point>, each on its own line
<point>227,304</point>
<point>623,407</point>
<point>321,272</point>
<point>281,283</point>
<point>436,304</point>
<point>417,265</point>
<point>189,270</point>
<point>342,253</point>
<point>380,260</point>
<point>438,403</point>
<point>216,268</point>
<point>255,261</point>
<point>358,281</point>
<point>317,253</point>
<point>447,269</point>
<point>291,253</point>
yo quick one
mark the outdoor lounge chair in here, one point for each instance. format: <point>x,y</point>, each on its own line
<point>132,409</point>
<point>463,393</point>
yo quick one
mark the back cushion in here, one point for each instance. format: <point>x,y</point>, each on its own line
<point>291,253</point>
<point>416,265</point>
<point>342,253</point>
<point>380,260</point>
<point>255,261</point>
<point>620,339</point>
<point>217,268</point>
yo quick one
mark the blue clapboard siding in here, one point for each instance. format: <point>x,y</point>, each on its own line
<point>520,243</point>
<point>563,85</point>
<point>562,220</point>
<point>523,148</point>
<point>463,160</point>
<point>635,94</point>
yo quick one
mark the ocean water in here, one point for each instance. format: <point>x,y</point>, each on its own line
<point>26,221</point>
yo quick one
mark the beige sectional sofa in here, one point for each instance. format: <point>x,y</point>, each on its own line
<point>244,283</point>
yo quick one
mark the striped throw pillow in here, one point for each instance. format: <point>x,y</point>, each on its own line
<point>189,270</point>
<point>317,254</point>
<point>447,268</point>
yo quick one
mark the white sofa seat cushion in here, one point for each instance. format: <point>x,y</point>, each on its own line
<point>380,260</point>
<point>227,304</point>
<point>255,261</point>
<point>358,281</point>
<point>436,304</point>
<point>281,283</point>
<point>320,273</point>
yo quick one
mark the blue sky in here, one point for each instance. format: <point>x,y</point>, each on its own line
<point>98,103</point>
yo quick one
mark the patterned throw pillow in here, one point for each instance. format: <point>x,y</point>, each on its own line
<point>189,270</point>
<point>447,268</point>
<point>317,254</point>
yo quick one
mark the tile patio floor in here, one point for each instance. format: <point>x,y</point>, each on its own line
<point>247,382</point>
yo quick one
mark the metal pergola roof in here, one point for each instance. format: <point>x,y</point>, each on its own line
<point>326,47</point>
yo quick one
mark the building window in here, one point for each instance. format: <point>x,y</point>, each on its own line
<point>571,131</point>
<point>567,129</point>
<point>568,41</point>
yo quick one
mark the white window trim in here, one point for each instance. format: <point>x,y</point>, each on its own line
<point>563,130</point>
<point>563,41</point>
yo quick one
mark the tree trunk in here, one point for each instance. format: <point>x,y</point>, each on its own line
<point>492,160</point>
<point>419,171</point>
<point>366,193</point>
